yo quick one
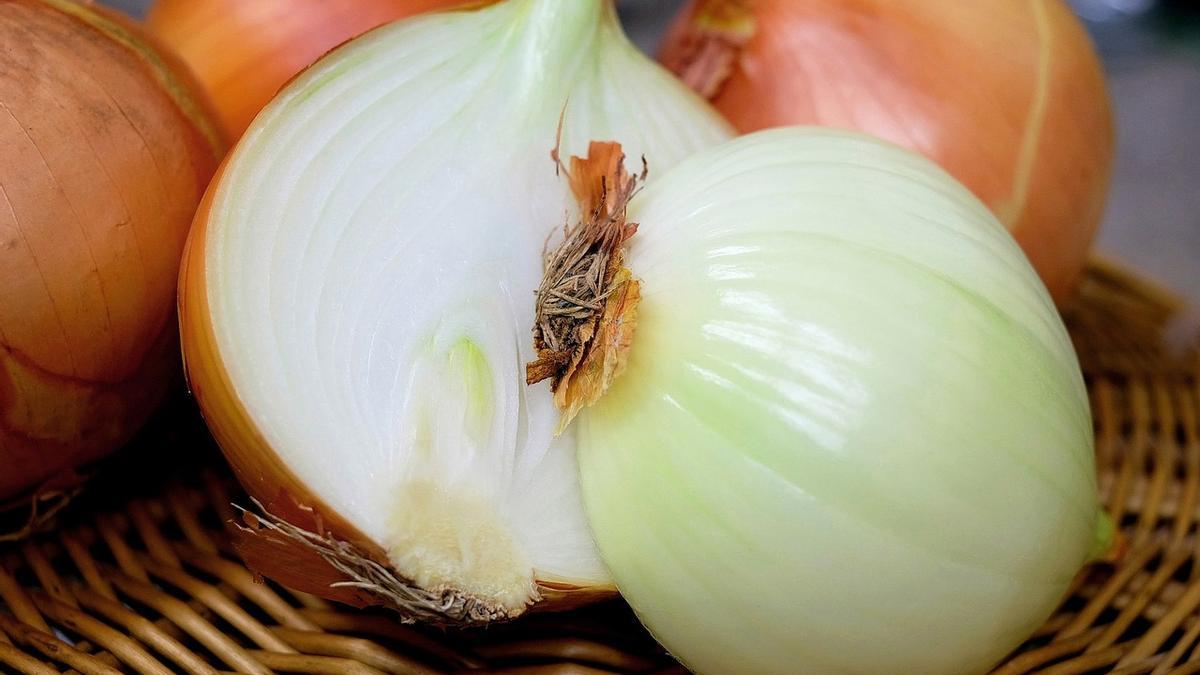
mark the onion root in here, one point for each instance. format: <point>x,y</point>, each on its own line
<point>587,303</point>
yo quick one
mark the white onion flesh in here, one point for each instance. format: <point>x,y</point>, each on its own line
<point>372,252</point>
<point>852,436</point>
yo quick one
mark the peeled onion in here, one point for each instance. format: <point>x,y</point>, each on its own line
<point>1009,97</point>
<point>105,150</point>
<point>244,51</point>
<point>852,435</point>
<point>357,305</point>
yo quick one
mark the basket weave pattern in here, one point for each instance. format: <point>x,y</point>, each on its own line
<point>153,586</point>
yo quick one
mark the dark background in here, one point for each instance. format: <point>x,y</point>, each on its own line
<point>1151,49</point>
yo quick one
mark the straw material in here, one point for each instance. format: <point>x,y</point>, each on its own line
<point>144,580</point>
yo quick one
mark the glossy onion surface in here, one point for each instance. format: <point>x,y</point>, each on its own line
<point>852,426</point>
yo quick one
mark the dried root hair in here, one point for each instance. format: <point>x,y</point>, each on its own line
<point>442,606</point>
<point>586,306</point>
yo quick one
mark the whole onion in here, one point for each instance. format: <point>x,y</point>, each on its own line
<point>106,147</point>
<point>852,435</point>
<point>244,51</point>
<point>1008,96</point>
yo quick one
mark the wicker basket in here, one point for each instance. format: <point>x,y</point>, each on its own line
<point>139,577</point>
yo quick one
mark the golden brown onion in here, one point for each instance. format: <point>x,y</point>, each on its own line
<point>244,51</point>
<point>1009,97</point>
<point>105,151</point>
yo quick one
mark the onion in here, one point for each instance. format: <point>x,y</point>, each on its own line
<point>825,412</point>
<point>851,435</point>
<point>244,51</point>
<point>106,151</point>
<point>1009,97</point>
<point>357,300</point>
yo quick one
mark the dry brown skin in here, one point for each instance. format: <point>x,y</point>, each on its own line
<point>586,309</point>
<point>707,54</point>
<point>1007,95</point>
<point>32,513</point>
<point>105,150</point>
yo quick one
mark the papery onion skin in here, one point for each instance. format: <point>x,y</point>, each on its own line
<point>107,148</point>
<point>244,52</point>
<point>1009,97</point>
<point>852,435</point>
<point>481,171</point>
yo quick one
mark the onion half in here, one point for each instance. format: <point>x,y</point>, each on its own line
<point>356,305</point>
<point>106,148</point>
<point>1009,97</point>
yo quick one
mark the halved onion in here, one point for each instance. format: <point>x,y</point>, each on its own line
<point>357,304</point>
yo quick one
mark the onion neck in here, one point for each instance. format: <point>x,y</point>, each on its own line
<point>713,36</point>
<point>555,33</point>
<point>553,29</point>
